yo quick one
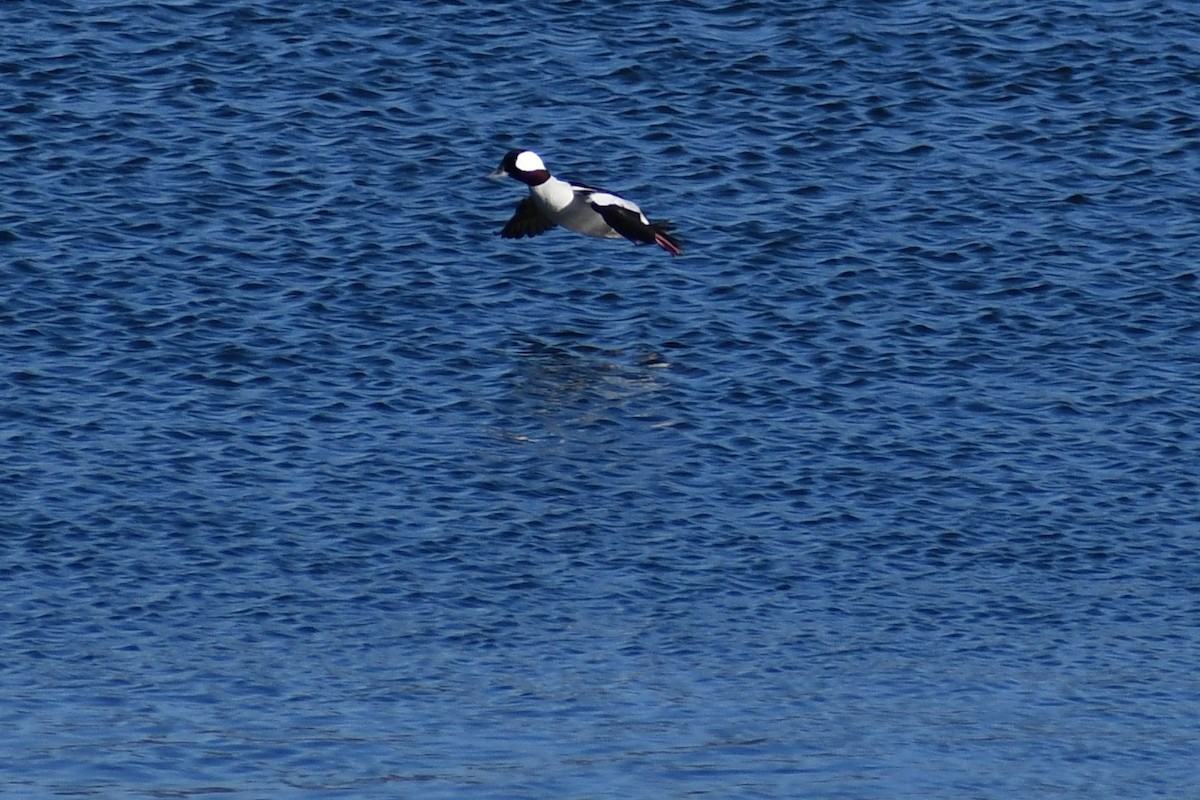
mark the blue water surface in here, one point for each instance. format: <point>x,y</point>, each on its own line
<point>311,486</point>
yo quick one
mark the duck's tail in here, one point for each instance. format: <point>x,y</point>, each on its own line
<point>664,239</point>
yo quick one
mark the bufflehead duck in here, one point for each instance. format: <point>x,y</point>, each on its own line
<point>581,208</point>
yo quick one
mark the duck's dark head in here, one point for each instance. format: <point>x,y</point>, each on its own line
<point>524,166</point>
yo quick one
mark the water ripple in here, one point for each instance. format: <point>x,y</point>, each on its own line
<point>311,480</point>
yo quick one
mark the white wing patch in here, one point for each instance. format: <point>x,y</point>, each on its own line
<point>606,199</point>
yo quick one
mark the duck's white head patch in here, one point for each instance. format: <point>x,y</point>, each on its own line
<point>528,161</point>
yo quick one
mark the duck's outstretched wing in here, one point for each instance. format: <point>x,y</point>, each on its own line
<point>527,221</point>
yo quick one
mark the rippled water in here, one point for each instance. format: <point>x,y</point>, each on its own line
<point>312,486</point>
